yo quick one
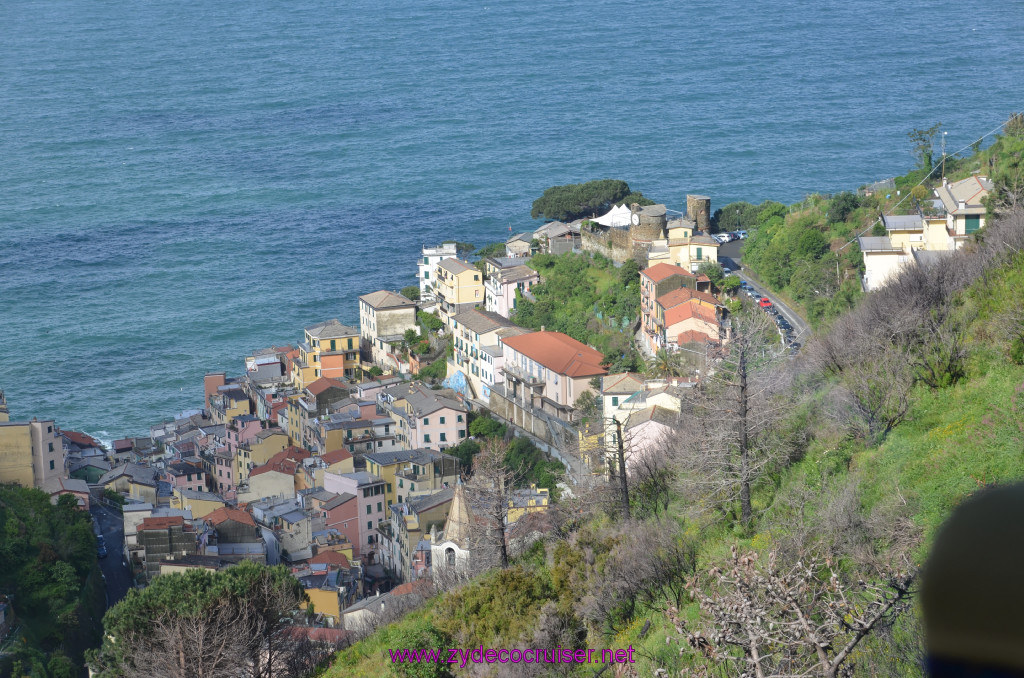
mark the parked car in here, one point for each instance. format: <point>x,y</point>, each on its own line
<point>101,551</point>
<point>741,234</point>
<point>726,270</point>
<point>765,302</point>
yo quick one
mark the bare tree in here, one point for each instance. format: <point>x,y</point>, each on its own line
<point>727,436</point>
<point>790,619</point>
<point>490,494</point>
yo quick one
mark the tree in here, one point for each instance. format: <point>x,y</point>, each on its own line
<point>666,364</point>
<point>490,494</point>
<point>923,143</point>
<point>712,270</point>
<point>200,623</point>
<point>842,206</point>
<point>412,292</point>
<point>573,201</point>
<point>728,438</point>
<point>802,618</point>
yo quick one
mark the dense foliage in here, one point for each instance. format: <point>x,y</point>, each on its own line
<point>530,462</point>
<point>48,563</point>
<point>588,299</point>
<point>575,201</point>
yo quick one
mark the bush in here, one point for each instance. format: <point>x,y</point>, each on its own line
<point>411,292</point>
<point>430,321</point>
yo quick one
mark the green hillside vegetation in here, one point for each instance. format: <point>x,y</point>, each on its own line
<point>589,299</point>
<point>48,567</point>
<point>890,418</point>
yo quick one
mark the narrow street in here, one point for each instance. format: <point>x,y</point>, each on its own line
<point>116,577</point>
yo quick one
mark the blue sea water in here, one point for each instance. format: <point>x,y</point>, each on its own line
<point>181,182</point>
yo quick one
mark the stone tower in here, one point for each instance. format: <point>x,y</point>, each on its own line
<point>698,209</point>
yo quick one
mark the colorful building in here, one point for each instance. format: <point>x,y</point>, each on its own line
<point>458,286</point>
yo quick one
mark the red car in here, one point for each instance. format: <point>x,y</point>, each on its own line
<point>765,302</point>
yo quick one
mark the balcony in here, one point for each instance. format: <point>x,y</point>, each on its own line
<point>519,374</point>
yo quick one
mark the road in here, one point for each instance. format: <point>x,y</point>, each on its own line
<point>116,577</point>
<point>730,255</point>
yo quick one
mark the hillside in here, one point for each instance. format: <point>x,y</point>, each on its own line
<point>904,407</point>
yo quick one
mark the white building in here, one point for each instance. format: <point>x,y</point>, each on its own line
<point>429,259</point>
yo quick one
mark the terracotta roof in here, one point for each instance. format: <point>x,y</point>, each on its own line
<point>684,295</point>
<point>421,586</point>
<point>385,299</point>
<point>322,384</point>
<point>695,337</point>
<point>226,513</point>
<point>335,456</point>
<point>81,439</point>
<point>160,523</point>
<point>286,461</point>
<point>659,272</point>
<point>330,558</point>
<point>692,309</point>
<point>559,352</point>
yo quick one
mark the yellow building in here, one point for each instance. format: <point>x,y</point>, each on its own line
<point>30,452</point>
<point>329,349</point>
<point>258,452</point>
<point>201,504</point>
<point>228,403</point>
<point>412,472</point>
<point>533,500</point>
<point>459,287</point>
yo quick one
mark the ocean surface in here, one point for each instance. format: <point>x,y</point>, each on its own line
<point>182,182</point>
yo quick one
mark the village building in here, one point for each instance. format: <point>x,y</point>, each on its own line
<point>31,452</point>
<point>685,316</point>
<point>476,351</point>
<point>430,257</point>
<point>410,522</point>
<point>412,472</point>
<point>425,417</point>
<point>163,539</point>
<point>957,213</point>
<point>384,318</point>
<point>505,284</point>
<point>370,492</point>
<point>330,349</point>
<point>458,287</point>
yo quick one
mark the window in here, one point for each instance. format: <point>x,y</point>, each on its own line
<point>442,421</point>
<point>426,437</point>
<point>426,421</point>
<point>379,507</point>
<point>369,526</point>
<point>444,438</point>
<point>462,433</point>
<point>412,487</point>
<point>188,477</point>
<point>426,260</point>
<point>369,509</point>
<point>51,447</point>
<point>615,401</point>
<point>49,429</point>
<point>459,418</point>
<point>387,428</point>
<point>332,344</point>
<point>972,223</point>
<point>476,277</point>
<point>51,464</point>
<point>426,275</point>
<point>316,373</point>
<point>389,487</point>
<point>401,482</point>
<point>350,343</point>
<point>699,253</point>
<point>366,493</point>
<point>449,556</point>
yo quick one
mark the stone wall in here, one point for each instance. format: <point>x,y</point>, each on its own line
<point>613,243</point>
<point>698,209</point>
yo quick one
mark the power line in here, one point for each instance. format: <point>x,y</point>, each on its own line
<point>926,177</point>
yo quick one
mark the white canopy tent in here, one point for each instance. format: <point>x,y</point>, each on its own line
<point>617,217</point>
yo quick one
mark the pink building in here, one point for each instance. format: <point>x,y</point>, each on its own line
<point>370,507</point>
<point>185,476</point>
<point>501,287</point>
<point>342,514</point>
<point>242,430</point>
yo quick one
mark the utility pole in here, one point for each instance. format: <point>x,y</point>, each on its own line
<point>622,467</point>
<point>944,154</point>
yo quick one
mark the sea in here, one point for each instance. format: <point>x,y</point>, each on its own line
<point>183,182</point>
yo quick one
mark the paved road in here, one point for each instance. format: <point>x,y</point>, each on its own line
<point>115,574</point>
<point>730,254</point>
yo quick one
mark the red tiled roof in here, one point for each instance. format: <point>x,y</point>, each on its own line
<point>685,294</point>
<point>322,384</point>
<point>558,352</point>
<point>330,558</point>
<point>689,310</point>
<point>81,439</point>
<point>335,456</point>
<point>659,272</point>
<point>286,461</point>
<point>695,337</point>
<point>161,523</point>
<point>226,513</point>
<point>123,443</point>
<point>420,586</point>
